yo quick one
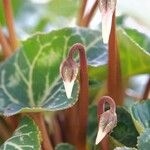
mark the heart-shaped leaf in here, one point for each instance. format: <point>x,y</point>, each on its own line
<point>144,140</point>
<point>26,136</point>
<point>30,80</point>
<point>125,131</point>
<point>128,48</point>
<point>140,38</point>
<point>141,115</point>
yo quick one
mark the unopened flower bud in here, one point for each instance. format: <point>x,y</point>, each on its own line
<point>69,71</point>
<point>107,119</point>
<point>107,122</point>
<point>107,8</point>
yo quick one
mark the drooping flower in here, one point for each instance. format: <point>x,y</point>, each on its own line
<point>107,8</point>
<point>107,119</point>
<point>69,71</point>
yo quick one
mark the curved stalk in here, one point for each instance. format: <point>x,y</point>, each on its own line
<point>76,117</point>
<point>10,24</point>
<point>102,103</point>
<point>107,120</point>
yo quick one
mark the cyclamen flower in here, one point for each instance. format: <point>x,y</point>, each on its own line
<point>107,8</point>
<point>69,71</point>
<point>107,119</point>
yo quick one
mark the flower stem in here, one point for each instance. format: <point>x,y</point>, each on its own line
<point>5,132</point>
<point>10,24</point>
<point>5,46</point>
<point>81,11</point>
<point>12,122</point>
<point>56,133</point>
<point>39,120</point>
<point>147,90</point>
<point>77,115</point>
<point>87,19</point>
<point>102,103</point>
<point>115,87</point>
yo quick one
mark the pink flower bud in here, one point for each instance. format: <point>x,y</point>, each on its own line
<point>107,8</point>
<point>107,122</point>
<point>69,71</point>
<point>107,119</point>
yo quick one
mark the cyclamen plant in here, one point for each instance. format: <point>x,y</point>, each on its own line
<point>52,85</point>
<point>69,70</point>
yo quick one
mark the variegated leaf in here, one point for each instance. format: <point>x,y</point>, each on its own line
<point>30,79</point>
<point>25,137</point>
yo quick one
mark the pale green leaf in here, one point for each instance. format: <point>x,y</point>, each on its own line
<point>141,115</point>
<point>144,140</point>
<point>134,59</point>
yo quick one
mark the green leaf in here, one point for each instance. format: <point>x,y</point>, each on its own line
<point>125,131</point>
<point>139,38</point>
<point>25,137</point>
<point>141,115</point>
<point>66,8</point>
<point>16,9</point>
<point>144,140</point>
<point>139,64</point>
<point>30,79</point>
<point>130,66</point>
<point>64,146</point>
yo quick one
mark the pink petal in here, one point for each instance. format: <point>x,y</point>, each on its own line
<point>107,8</point>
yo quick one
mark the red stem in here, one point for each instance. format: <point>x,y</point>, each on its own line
<point>39,120</point>
<point>9,20</point>
<point>147,90</point>
<point>56,133</point>
<point>78,114</point>
<point>81,12</point>
<point>115,87</point>
<point>12,122</point>
<point>87,19</point>
<point>5,133</point>
<point>5,46</point>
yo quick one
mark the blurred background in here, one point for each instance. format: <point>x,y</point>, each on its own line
<point>45,15</point>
